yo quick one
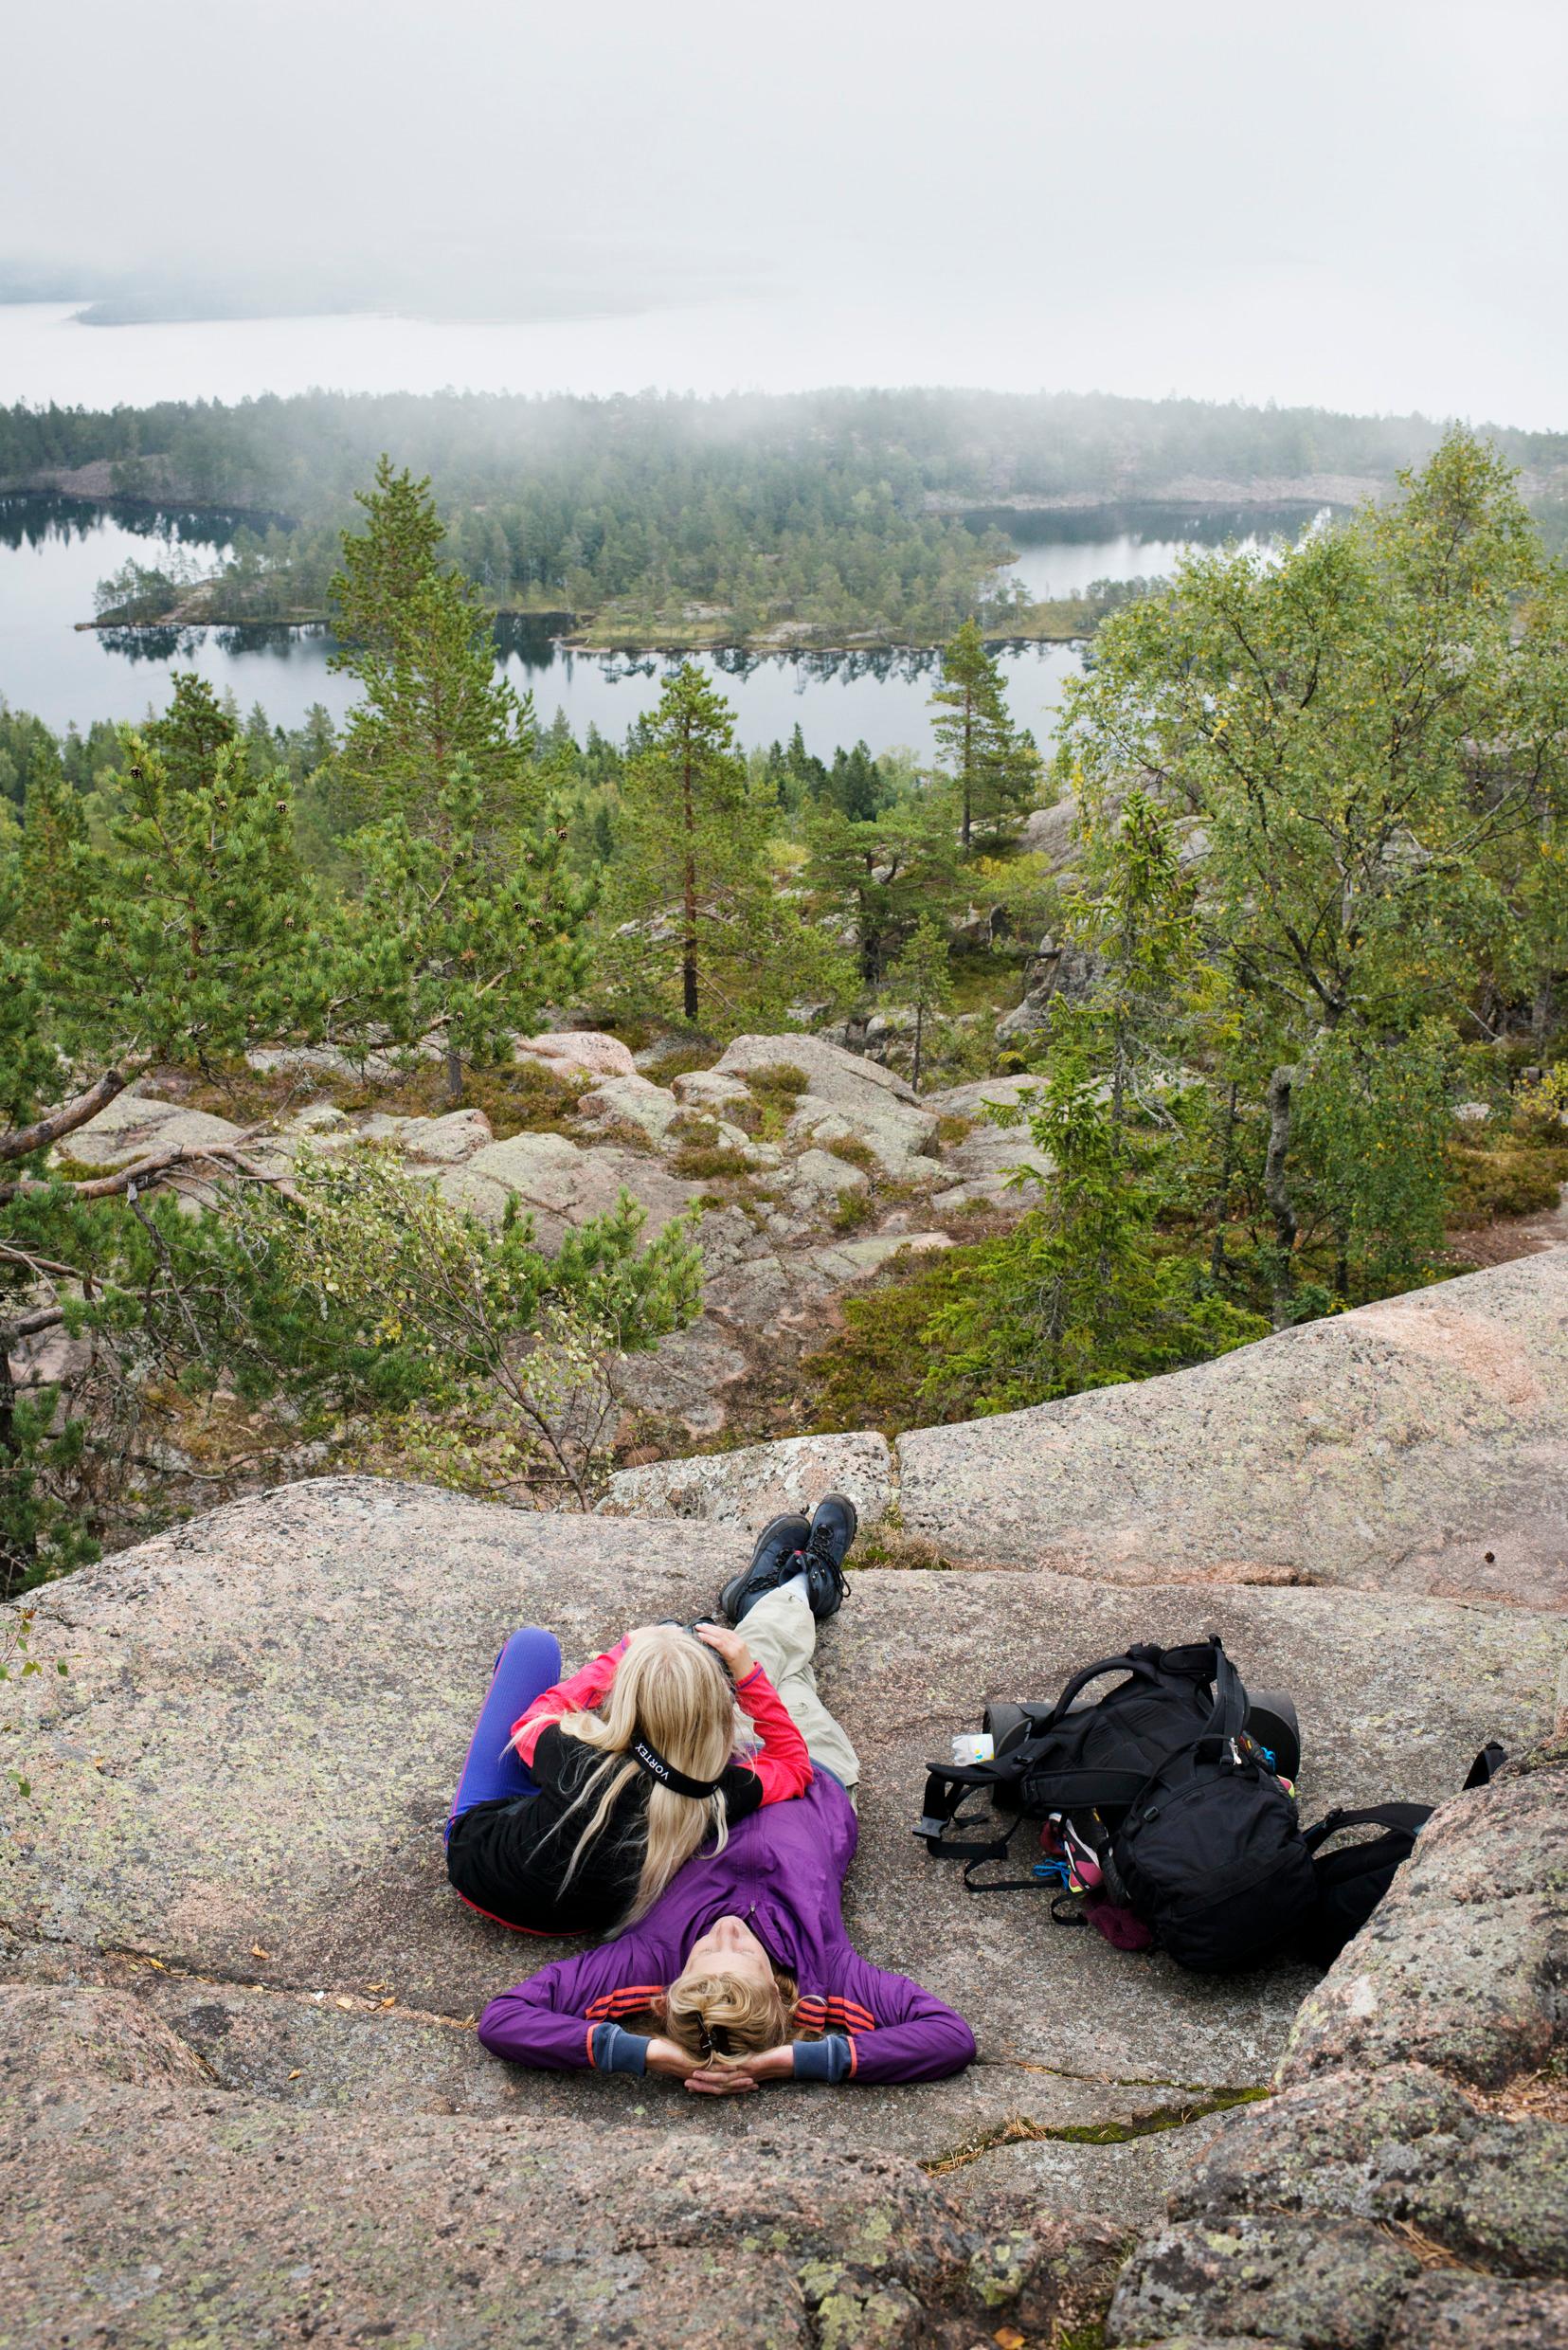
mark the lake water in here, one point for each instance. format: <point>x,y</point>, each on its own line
<point>1061,554</point>
<point>53,552</point>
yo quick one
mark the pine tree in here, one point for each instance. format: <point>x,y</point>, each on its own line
<point>922,980</point>
<point>192,731</point>
<point>695,891</point>
<point>996,767</point>
<point>464,923</point>
<point>456,932</point>
<point>420,643</point>
<point>1078,1294</point>
<point>187,934</point>
<point>881,877</point>
<point>808,773</point>
<point>195,929</point>
<point>855,785</point>
<point>1364,793</point>
<point>53,859</point>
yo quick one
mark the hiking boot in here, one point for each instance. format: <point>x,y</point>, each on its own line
<point>776,1558</point>
<point>833,1527</point>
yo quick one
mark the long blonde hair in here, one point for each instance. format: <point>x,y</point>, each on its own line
<point>721,2019</point>
<point>674,1692</point>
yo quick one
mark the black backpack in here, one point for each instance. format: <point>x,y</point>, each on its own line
<point>1352,1881</point>
<point>1182,1808</point>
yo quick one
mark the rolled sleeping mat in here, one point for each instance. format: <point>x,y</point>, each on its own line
<point>1271,1722</point>
<point>1009,1725</point>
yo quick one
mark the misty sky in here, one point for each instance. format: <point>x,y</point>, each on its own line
<point>1359,205</point>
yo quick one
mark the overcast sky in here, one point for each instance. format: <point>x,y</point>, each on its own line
<point>1363,202</point>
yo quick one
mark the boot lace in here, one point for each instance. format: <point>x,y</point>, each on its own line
<point>820,1551</point>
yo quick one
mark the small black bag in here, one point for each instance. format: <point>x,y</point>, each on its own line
<point>1351,1882</point>
<point>1187,1818</point>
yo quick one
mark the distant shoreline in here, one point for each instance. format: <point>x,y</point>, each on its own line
<point>1261,495</point>
<point>1071,619</point>
<point>1026,629</point>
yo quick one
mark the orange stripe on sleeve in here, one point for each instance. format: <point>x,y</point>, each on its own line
<point>616,2002</point>
<point>851,2011</point>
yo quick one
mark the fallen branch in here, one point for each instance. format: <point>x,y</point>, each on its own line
<point>24,1140</point>
<point>147,1170</point>
<point>31,1324</point>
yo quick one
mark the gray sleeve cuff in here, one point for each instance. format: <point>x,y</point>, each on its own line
<point>615,2050</point>
<point>822,2060</point>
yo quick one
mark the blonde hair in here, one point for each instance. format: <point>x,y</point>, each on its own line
<point>671,1691</point>
<point>721,2019</point>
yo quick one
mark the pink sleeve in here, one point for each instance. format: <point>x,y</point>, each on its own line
<point>784,1766</point>
<point>584,1690</point>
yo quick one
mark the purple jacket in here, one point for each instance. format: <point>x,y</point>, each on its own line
<point>782,1870</point>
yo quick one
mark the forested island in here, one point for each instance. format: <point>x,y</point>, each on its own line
<point>829,519</point>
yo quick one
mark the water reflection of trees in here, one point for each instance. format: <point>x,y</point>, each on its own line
<point>152,644</point>
<point>841,666</point>
<point>528,637</point>
<point>1081,526</point>
<point>283,639</point>
<point>33,517</point>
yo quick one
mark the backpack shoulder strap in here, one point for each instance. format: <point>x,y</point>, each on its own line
<point>1409,1816</point>
<point>944,1791</point>
<point>1406,1816</point>
<point>1228,1714</point>
<point>1136,1662</point>
<point>1486,1764</point>
<point>945,1788</point>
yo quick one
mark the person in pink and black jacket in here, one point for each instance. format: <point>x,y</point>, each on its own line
<point>742,1971</point>
<point>581,1798</point>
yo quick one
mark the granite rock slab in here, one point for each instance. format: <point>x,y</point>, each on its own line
<point>241,2086</point>
<point>1417,1445</point>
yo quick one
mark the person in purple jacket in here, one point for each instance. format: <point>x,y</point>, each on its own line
<point>743,1972</point>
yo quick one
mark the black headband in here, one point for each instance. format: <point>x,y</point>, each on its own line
<point>650,1760</point>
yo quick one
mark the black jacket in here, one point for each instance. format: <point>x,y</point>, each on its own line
<point>508,1857</point>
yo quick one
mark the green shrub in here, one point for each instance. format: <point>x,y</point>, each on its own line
<point>703,1153</point>
<point>1511,1178</point>
<point>854,1208</point>
<point>684,1059</point>
<point>872,1373</point>
<point>854,1153</point>
<point>780,1081</point>
<point>775,1092</point>
<point>707,1162</point>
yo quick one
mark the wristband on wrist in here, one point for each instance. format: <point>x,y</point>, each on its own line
<point>827,2059</point>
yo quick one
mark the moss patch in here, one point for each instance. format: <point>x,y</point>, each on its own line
<point>520,1098</point>
<point>1019,2131</point>
<point>708,1162</point>
<point>855,1209</point>
<point>684,1059</point>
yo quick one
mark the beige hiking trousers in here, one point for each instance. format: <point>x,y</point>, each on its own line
<point>780,1632</point>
